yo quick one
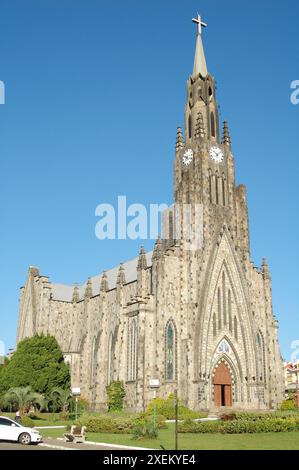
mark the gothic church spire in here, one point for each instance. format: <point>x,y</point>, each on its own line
<point>200,65</point>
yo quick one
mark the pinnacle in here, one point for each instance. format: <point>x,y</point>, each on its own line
<point>226,140</point>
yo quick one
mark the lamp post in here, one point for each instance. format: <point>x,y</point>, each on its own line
<point>176,408</point>
<point>154,385</point>
<point>76,392</point>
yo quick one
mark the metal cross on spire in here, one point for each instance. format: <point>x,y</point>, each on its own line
<point>199,23</point>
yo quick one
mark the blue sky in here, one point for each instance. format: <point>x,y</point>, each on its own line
<point>94,92</point>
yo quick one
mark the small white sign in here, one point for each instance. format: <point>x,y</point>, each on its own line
<point>76,391</point>
<point>154,383</point>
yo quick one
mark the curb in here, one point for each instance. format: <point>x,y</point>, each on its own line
<point>55,446</point>
<point>116,446</point>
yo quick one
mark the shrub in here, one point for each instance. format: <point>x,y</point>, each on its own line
<point>28,422</point>
<point>145,428</point>
<point>165,407</point>
<point>240,426</point>
<point>289,404</point>
<point>117,424</point>
<point>116,393</point>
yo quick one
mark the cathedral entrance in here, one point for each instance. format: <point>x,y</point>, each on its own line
<point>222,386</point>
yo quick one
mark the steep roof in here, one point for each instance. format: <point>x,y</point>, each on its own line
<point>64,292</point>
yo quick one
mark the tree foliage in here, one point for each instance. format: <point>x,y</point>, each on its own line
<point>23,398</point>
<point>116,394</point>
<point>37,363</point>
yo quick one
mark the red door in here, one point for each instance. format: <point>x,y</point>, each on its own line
<point>222,386</point>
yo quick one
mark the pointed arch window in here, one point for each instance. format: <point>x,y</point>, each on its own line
<point>110,360</point>
<point>213,126</point>
<point>236,328</point>
<point>214,325</point>
<point>132,350</point>
<point>190,126</point>
<point>230,318</point>
<point>224,190</point>
<point>224,298</point>
<point>260,357</point>
<point>170,351</point>
<point>219,309</point>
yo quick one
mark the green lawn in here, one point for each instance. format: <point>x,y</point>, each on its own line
<point>276,441</point>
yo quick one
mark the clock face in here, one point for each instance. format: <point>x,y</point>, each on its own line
<point>216,154</point>
<point>187,157</point>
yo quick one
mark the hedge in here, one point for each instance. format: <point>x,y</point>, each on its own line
<point>117,424</point>
<point>240,426</point>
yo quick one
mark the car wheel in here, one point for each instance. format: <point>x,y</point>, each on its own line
<point>24,438</point>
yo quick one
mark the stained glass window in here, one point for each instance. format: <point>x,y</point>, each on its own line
<point>170,352</point>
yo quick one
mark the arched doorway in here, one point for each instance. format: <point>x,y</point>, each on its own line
<point>222,386</point>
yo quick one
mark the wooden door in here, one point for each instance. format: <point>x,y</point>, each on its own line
<point>222,386</point>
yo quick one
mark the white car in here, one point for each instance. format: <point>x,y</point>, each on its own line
<point>10,430</point>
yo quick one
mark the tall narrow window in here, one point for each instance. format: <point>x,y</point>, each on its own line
<point>93,362</point>
<point>214,325</point>
<point>220,190</point>
<point>224,298</point>
<point>236,328</point>
<point>213,129</point>
<point>132,351</point>
<point>260,358</point>
<point>110,360</point>
<point>210,186</point>
<point>219,309</point>
<point>170,351</point>
<point>217,188</point>
<point>224,190</point>
<point>190,126</point>
<point>230,318</point>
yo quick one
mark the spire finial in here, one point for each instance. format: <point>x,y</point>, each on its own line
<point>121,278</point>
<point>75,297</point>
<point>265,269</point>
<point>88,289</point>
<point>200,65</point>
<point>142,264</point>
<point>104,283</point>
<point>226,140</point>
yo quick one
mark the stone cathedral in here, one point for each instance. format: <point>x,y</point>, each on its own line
<point>198,320</point>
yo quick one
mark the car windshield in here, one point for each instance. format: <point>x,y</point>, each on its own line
<point>8,422</point>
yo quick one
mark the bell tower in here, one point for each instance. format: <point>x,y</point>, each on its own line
<point>204,167</point>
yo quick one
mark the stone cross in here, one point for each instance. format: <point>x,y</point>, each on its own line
<point>199,23</point>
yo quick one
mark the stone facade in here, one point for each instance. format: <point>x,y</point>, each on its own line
<point>175,314</point>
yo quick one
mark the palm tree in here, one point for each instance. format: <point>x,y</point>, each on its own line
<point>24,397</point>
<point>61,397</point>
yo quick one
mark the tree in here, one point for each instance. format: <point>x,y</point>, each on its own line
<point>60,398</point>
<point>37,363</point>
<point>23,398</point>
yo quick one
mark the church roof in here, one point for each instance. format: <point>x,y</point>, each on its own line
<point>64,292</point>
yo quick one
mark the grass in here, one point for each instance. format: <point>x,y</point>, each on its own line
<point>267,441</point>
<point>44,419</point>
